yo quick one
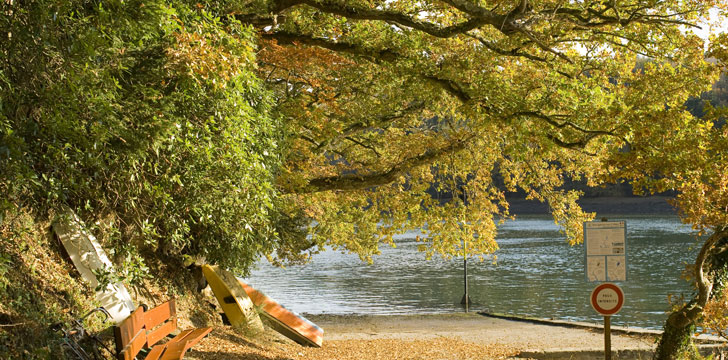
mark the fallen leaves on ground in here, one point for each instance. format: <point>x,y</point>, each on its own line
<point>435,349</point>
<point>225,344</point>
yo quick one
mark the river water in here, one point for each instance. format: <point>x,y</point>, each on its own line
<point>536,274</point>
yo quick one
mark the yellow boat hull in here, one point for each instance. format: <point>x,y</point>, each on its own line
<point>232,298</point>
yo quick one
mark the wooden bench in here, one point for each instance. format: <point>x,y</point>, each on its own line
<point>143,329</point>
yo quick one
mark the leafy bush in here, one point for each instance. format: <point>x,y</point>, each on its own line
<point>145,112</point>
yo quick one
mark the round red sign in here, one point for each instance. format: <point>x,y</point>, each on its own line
<point>607,299</point>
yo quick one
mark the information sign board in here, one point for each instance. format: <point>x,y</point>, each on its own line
<point>606,250</point>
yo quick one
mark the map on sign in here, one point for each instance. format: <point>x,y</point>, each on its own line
<point>606,250</point>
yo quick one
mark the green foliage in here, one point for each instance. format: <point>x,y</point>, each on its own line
<point>148,112</point>
<point>134,269</point>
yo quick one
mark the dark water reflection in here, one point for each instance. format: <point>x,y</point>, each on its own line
<point>537,274</point>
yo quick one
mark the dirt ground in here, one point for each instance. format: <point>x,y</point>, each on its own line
<point>445,336</point>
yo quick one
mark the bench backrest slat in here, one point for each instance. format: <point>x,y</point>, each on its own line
<point>131,336</point>
<point>160,321</point>
<point>160,314</point>
<point>161,332</point>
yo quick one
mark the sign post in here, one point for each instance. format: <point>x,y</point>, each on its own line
<point>607,299</point>
<point>606,260</point>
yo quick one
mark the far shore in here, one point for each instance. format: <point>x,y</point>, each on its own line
<point>648,205</point>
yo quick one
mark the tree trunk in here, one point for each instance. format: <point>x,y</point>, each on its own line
<point>676,341</point>
<point>711,263</point>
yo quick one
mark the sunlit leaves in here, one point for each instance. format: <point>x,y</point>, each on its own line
<point>716,316</point>
<point>210,52</point>
<point>559,94</point>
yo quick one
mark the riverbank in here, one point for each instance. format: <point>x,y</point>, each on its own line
<point>440,336</point>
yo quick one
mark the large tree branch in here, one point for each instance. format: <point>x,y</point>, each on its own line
<point>341,8</point>
<point>387,55</point>
<point>382,121</point>
<point>478,16</point>
<point>519,20</point>
<point>516,52</point>
<point>598,18</point>
<point>372,54</point>
<point>350,182</point>
<point>579,144</point>
<point>436,30</point>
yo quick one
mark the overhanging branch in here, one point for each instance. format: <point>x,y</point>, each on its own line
<point>361,13</point>
<point>454,88</point>
<point>380,122</point>
<point>579,144</point>
<point>559,125</point>
<point>350,182</point>
<point>289,38</point>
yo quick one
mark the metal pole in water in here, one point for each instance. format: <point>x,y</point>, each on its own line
<point>466,298</point>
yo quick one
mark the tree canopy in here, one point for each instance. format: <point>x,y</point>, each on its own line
<point>385,100</point>
<point>208,127</point>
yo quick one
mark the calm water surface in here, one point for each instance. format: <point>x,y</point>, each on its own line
<point>537,274</point>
